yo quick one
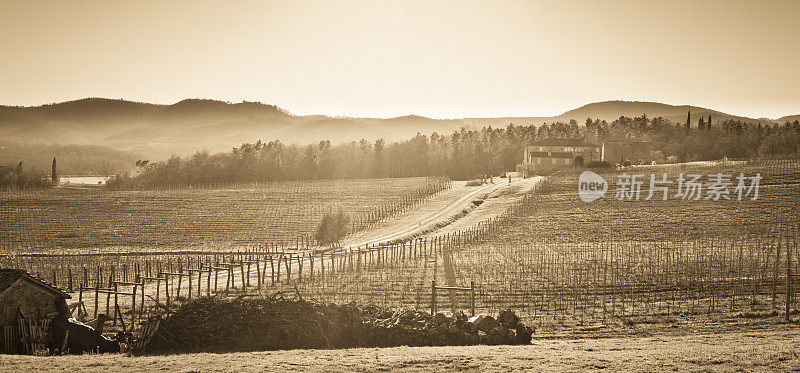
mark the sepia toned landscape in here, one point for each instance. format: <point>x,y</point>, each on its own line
<point>380,186</point>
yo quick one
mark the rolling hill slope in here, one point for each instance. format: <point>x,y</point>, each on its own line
<point>157,131</point>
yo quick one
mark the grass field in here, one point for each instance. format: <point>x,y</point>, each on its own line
<point>774,349</point>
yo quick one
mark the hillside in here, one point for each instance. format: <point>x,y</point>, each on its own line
<point>157,131</point>
<point>610,110</point>
<point>789,118</point>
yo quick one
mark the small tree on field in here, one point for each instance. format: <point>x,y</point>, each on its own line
<point>333,228</point>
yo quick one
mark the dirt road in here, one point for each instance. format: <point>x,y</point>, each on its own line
<point>441,213</point>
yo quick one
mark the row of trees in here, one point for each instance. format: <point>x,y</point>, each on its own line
<point>21,178</point>
<point>686,142</point>
<point>72,159</point>
<point>462,154</point>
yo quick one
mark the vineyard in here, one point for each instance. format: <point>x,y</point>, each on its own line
<point>568,264</point>
<point>277,213</point>
<point>560,263</point>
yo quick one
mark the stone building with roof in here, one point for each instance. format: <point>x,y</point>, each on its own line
<point>552,153</point>
<point>32,301</point>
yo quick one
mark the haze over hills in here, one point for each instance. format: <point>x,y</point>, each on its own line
<point>190,125</point>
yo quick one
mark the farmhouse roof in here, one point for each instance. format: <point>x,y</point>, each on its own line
<point>563,142</point>
<point>551,154</point>
<point>628,141</point>
<point>9,276</point>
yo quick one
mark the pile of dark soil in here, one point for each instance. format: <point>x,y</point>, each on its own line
<point>214,324</point>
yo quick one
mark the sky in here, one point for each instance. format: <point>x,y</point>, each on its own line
<point>442,59</point>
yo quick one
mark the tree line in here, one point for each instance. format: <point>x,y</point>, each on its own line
<point>72,159</point>
<point>463,154</point>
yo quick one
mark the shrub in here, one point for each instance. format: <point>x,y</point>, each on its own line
<point>599,164</point>
<point>332,228</point>
<point>19,179</point>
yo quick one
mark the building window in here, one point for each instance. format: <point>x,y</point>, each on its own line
<point>538,160</point>
<point>554,160</point>
<point>566,160</point>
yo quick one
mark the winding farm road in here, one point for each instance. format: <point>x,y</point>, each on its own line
<point>428,221</point>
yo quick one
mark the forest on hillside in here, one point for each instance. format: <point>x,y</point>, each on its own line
<point>464,154</point>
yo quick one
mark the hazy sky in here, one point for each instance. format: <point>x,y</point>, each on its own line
<point>390,58</point>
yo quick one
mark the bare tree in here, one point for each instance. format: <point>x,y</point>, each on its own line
<point>105,169</point>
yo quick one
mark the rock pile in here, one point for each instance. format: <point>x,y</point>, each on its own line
<point>255,324</point>
<point>412,328</point>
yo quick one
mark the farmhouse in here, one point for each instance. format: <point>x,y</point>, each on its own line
<point>28,307</point>
<point>552,153</point>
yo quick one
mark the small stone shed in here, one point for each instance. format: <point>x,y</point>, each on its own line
<point>28,306</point>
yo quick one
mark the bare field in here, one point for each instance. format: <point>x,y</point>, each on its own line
<point>561,217</point>
<point>75,219</point>
<point>774,349</point>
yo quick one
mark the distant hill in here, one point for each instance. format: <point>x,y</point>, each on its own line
<point>789,118</point>
<point>193,124</point>
<point>156,131</point>
<point>610,110</point>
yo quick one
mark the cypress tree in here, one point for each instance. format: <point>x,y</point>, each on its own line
<point>54,175</point>
<point>688,121</point>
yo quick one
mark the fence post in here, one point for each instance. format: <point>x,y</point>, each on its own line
<point>96,296</point>
<point>258,272</point>
<point>133,308</point>
<point>245,277</point>
<point>433,297</point>
<point>116,304</point>
<point>472,290</point>
<point>788,279</point>
<point>166,291</point>
<point>80,301</point>
<point>775,274</point>
<point>189,293</point>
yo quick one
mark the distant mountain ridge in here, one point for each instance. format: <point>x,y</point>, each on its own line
<point>195,124</point>
<point>610,110</point>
